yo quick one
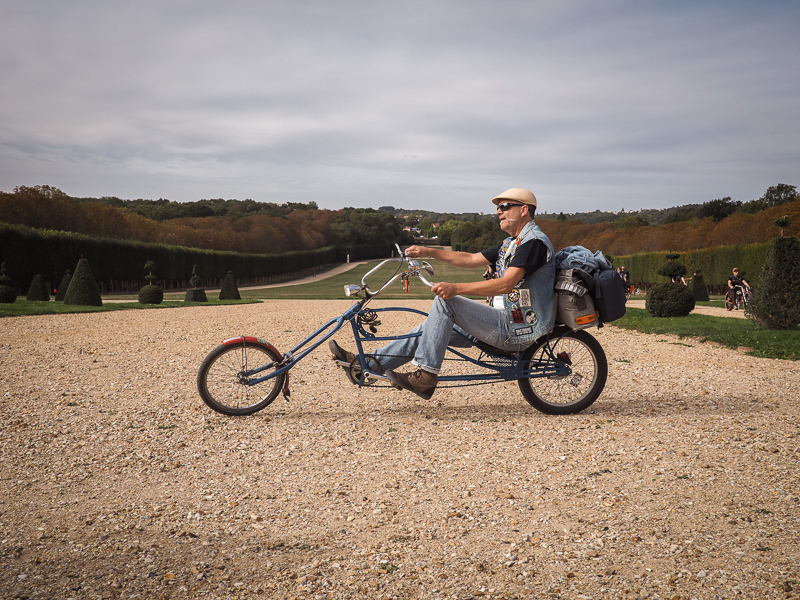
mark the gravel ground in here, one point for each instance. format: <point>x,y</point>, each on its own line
<point>681,481</point>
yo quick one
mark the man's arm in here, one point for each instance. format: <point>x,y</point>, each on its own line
<point>464,260</point>
<point>467,260</point>
<point>492,287</point>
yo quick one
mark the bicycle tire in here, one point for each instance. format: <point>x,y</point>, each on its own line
<point>221,379</point>
<point>729,304</point>
<point>566,394</point>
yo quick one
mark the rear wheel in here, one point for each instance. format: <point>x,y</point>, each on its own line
<point>584,366</point>
<point>224,375</point>
<point>729,301</point>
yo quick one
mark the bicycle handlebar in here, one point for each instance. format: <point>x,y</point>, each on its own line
<point>414,270</point>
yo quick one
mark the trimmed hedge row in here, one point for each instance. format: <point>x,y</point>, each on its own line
<point>714,264</point>
<point>29,251</point>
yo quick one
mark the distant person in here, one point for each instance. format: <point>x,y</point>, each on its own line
<point>737,284</point>
<point>736,280</point>
<point>626,278</point>
<point>679,279</point>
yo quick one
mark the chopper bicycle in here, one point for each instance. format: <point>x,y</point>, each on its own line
<point>561,373</point>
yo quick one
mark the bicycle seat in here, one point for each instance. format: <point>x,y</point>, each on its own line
<point>493,350</point>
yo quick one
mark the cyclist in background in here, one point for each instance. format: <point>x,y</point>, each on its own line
<point>736,279</point>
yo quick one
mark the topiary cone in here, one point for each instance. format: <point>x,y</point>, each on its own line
<point>83,290</point>
<point>37,292</point>
<point>229,290</point>
<point>699,288</point>
<point>775,296</point>
<point>62,288</point>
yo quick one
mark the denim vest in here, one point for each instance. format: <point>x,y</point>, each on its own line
<point>530,306</point>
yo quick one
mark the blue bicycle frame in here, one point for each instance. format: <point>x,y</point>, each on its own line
<point>501,366</point>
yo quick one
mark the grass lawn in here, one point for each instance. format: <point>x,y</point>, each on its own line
<point>332,288</point>
<point>734,333</point>
<point>23,307</point>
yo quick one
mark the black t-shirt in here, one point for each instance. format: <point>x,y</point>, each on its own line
<point>530,255</point>
<point>736,280</point>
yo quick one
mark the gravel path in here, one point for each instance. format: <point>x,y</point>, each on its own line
<point>117,482</point>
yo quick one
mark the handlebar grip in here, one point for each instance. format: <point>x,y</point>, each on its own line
<point>423,280</point>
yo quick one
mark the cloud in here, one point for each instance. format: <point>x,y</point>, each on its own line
<point>411,104</point>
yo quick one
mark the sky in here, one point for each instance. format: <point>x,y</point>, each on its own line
<point>436,105</point>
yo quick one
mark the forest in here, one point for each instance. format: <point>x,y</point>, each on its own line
<point>215,225</point>
<point>268,228</point>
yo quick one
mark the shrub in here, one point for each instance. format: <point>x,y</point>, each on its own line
<point>776,296</point>
<point>7,292</point>
<point>229,290</point>
<point>699,288</point>
<point>195,280</point>
<point>669,300</point>
<point>195,293</point>
<point>672,268</point>
<point>151,293</point>
<point>62,288</point>
<point>38,290</point>
<point>83,290</point>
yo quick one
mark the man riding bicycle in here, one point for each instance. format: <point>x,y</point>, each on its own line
<point>736,286</point>
<point>523,309</point>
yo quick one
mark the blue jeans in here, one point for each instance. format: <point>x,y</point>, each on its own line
<point>449,321</point>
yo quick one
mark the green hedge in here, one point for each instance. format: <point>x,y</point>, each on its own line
<point>29,251</point>
<point>715,264</point>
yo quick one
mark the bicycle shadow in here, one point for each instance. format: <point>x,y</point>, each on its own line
<point>407,408</point>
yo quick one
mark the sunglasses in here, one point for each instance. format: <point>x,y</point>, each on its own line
<point>506,205</point>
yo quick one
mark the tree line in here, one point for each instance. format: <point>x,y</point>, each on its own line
<point>268,228</point>
<point>276,229</point>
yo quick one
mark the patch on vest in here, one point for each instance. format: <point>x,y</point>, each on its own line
<point>523,331</point>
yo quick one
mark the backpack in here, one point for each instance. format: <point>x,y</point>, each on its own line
<point>599,277</point>
<point>609,295</point>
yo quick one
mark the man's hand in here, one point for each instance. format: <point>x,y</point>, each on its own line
<point>414,252</point>
<point>445,290</point>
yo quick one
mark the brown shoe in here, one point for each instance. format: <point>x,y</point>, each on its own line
<point>340,353</point>
<point>421,382</point>
<point>342,356</point>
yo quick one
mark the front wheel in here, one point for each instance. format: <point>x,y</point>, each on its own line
<point>225,373</point>
<point>745,298</point>
<point>581,359</point>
